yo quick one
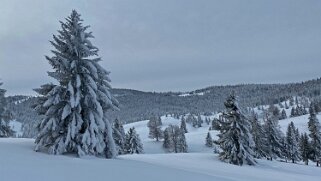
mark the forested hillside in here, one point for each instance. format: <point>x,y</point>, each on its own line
<point>138,105</point>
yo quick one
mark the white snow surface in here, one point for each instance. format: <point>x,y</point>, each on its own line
<point>18,162</point>
<point>208,164</point>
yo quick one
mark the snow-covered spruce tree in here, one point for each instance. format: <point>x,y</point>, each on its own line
<point>291,101</point>
<point>208,140</point>
<point>5,116</point>
<point>194,122</point>
<point>292,145</point>
<point>297,135</point>
<point>301,111</point>
<point>159,120</point>
<point>293,112</point>
<point>283,114</point>
<point>208,121</point>
<point>199,121</point>
<point>305,149</point>
<point>133,143</point>
<point>316,106</point>
<point>190,119</point>
<point>75,110</point>
<point>274,111</point>
<point>258,137</point>
<point>155,130</point>
<point>235,138</point>
<point>183,125</point>
<point>119,136</point>
<point>315,135</point>
<point>273,136</point>
<point>168,141</point>
<point>181,143</point>
<point>174,139</point>
<point>296,100</point>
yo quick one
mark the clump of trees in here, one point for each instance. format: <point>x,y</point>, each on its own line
<point>155,131</point>
<point>174,139</point>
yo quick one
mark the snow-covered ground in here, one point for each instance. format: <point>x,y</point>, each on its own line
<point>18,162</point>
<point>300,122</point>
<point>208,164</point>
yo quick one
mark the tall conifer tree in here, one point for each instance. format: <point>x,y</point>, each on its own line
<point>315,135</point>
<point>235,138</point>
<point>75,110</point>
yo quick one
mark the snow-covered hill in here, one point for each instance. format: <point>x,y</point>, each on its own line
<point>208,164</point>
<point>18,162</point>
<point>195,136</point>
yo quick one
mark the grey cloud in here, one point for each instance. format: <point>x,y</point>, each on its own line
<point>165,45</point>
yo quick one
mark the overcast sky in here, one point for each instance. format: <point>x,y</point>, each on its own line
<point>169,45</point>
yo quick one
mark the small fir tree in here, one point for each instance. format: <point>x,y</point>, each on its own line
<point>283,114</point>
<point>183,125</point>
<point>209,140</point>
<point>258,137</point>
<point>199,121</point>
<point>315,135</point>
<point>293,112</point>
<point>273,137</point>
<point>292,143</point>
<point>168,142</point>
<point>119,136</point>
<point>305,149</point>
<point>154,126</point>
<point>133,145</point>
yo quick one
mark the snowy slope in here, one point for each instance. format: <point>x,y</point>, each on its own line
<point>195,137</point>
<point>208,164</point>
<point>300,122</point>
<point>20,163</point>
